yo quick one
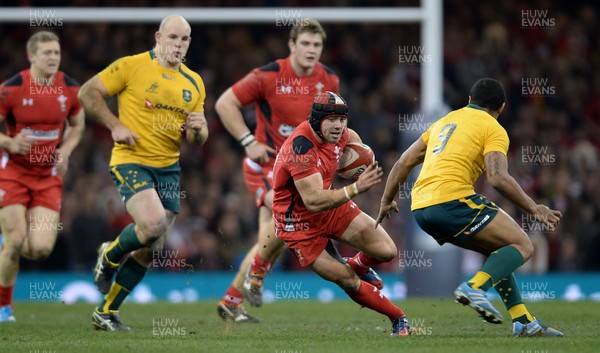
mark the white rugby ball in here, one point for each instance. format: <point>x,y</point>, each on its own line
<point>354,160</point>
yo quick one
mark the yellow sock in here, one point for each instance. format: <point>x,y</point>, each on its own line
<point>479,280</point>
<point>518,311</point>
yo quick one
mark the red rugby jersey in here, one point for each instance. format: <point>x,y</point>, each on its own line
<point>41,109</point>
<point>300,156</point>
<point>283,99</point>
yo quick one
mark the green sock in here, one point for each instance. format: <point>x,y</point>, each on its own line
<point>500,264</point>
<point>128,276</point>
<point>508,289</point>
<point>126,242</point>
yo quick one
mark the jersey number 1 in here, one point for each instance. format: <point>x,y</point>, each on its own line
<point>443,138</point>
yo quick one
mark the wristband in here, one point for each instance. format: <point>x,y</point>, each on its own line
<point>356,192</point>
<point>247,140</point>
<point>248,133</point>
<point>346,192</point>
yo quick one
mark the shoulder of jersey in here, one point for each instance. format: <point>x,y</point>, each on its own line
<point>15,80</point>
<point>301,144</point>
<point>185,69</point>
<point>328,69</point>
<point>140,58</point>
<point>69,81</point>
<point>273,66</point>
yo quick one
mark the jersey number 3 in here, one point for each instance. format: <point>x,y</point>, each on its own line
<point>443,138</point>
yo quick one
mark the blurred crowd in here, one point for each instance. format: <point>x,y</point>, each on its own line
<point>550,70</point>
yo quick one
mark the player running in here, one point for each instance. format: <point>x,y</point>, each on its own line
<point>159,97</point>
<point>308,211</point>
<point>36,105</point>
<point>454,152</point>
<point>283,91</point>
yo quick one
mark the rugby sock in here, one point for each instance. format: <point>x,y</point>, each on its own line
<point>360,263</point>
<point>258,265</point>
<point>233,296</point>
<point>128,276</point>
<point>511,297</point>
<point>498,265</point>
<point>6,294</point>
<point>369,296</point>
<point>520,313</point>
<point>126,242</point>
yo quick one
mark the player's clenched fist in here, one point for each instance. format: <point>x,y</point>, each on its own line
<point>197,128</point>
<point>196,120</point>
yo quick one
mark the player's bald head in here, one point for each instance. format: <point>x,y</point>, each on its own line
<point>173,21</point>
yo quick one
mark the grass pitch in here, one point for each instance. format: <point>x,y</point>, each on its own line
<point>294,327</point>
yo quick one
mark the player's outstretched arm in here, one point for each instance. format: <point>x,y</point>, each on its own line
<point>496,166</point>
<point>228,108</point>
<point>316,199</point>
<point>412,157</point>
<point>91,95</point>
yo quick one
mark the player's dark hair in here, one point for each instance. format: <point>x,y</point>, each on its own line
<point>309,25</point>
<point>40,37</point>
<point>488,93</point>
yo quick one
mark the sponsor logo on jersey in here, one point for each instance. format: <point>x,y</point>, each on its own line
<point>42,135</point>
<point>171,108</point>
<point>148,104</point>
<point>285,129</point>
<point>27,101</point>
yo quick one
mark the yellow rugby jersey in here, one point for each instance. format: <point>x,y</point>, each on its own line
<point>153,102</point>
<point>453,162</point>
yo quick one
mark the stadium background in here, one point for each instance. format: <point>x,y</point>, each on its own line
<point>551,74</point>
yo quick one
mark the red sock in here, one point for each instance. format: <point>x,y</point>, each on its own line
<point>360,263</point>
<point>259,266</point>
<point>233,296</point>
<point>370,297</point>
<point>6,294</point>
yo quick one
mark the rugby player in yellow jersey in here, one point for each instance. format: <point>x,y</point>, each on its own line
<point>159,98</point>
<point>454,151</point>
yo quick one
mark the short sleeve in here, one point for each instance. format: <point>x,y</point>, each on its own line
<point>199,107</point>
<point>4,105</point>
<point>300,157</point>
<point>76,107</point>
<point>496,140</point>
<point>249,89</point>
<point>426,134</point>
<point>115,76</point>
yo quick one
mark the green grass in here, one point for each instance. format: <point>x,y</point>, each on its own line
<point>307,327</point>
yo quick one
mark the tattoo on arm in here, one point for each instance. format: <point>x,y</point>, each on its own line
<point>496,168</point>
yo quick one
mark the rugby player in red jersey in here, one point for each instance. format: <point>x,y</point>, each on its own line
<point>308,211</point>
<point>36,105</point>
<point>283,91</point>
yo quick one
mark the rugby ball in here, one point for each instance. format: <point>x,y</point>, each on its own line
<point>354,160</point>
